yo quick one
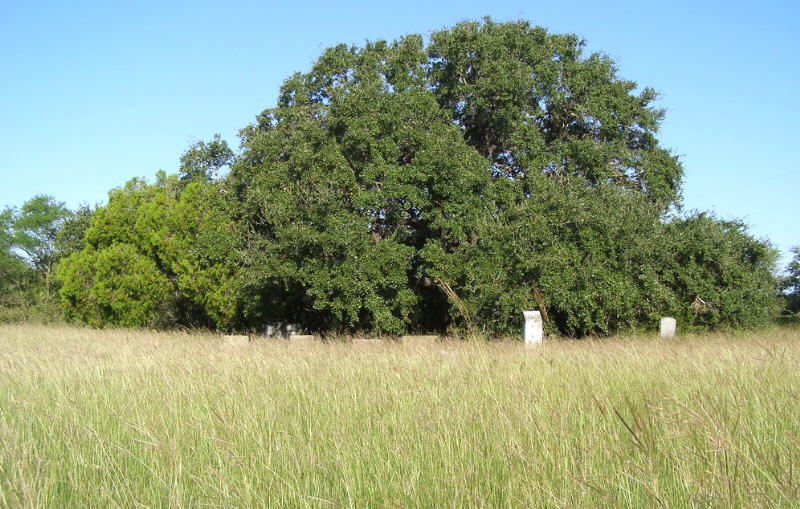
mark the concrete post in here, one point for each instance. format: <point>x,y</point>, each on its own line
<point>668,327</point>
<point>235,340</point>
<point>532,332</point>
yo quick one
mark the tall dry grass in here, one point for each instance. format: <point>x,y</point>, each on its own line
<point>122,418</point>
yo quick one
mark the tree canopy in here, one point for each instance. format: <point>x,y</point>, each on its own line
<point>532,103</point>
<point>30,247</point>
<point>439,185</point>
<point>35,228</point>
<point>397,185</point>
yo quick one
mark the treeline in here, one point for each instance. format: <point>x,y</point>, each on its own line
<point>407,186</point>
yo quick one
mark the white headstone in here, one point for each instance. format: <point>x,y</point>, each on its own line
<point>273,329</point>
<point>532,328</point>
<point>282,329</point>
<point>235,340</point>
<point>293,329</point>
<point>668,327</point>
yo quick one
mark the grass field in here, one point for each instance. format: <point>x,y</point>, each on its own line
<point>123,418</point>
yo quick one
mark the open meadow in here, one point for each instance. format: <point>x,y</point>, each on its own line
<point>107,418</point>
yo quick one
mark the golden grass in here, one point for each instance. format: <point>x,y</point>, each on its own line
<point>125,418</point>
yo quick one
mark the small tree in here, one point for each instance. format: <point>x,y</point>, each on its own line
<point>36,227</point>
<point>156,255</point>
<point>29,251</point>
<point>13,269</point>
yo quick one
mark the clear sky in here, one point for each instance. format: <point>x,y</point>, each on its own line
<point>95,93</point>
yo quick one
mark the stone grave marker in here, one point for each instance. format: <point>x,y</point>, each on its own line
<point>532,332</point>
<point>235,340</point>
<point>667,327</point>
<point>283,329</point>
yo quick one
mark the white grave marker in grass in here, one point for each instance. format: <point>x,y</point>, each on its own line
<point>532,332</point>
<point>235,340</point>
<point>667,327</point>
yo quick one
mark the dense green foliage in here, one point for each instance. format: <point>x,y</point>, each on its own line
<point>532,103</point>
<point>14,273</point>
<point>71,236</point>
<point>113,285</point>
<point>397,186</point>
<point>35,231</point>
<point>719,274</point>
<point>156,255</point>
<point>403,186</point>
<point>32,241</point>
<point>791,283</point>
<point>202,162</point>
<point>342,185</point>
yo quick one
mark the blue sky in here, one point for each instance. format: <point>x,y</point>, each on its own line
<point>95,93</point>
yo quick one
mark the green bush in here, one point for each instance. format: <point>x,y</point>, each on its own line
<point>720,275</point>
<point>115,285</point>
<point>156,255</point>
